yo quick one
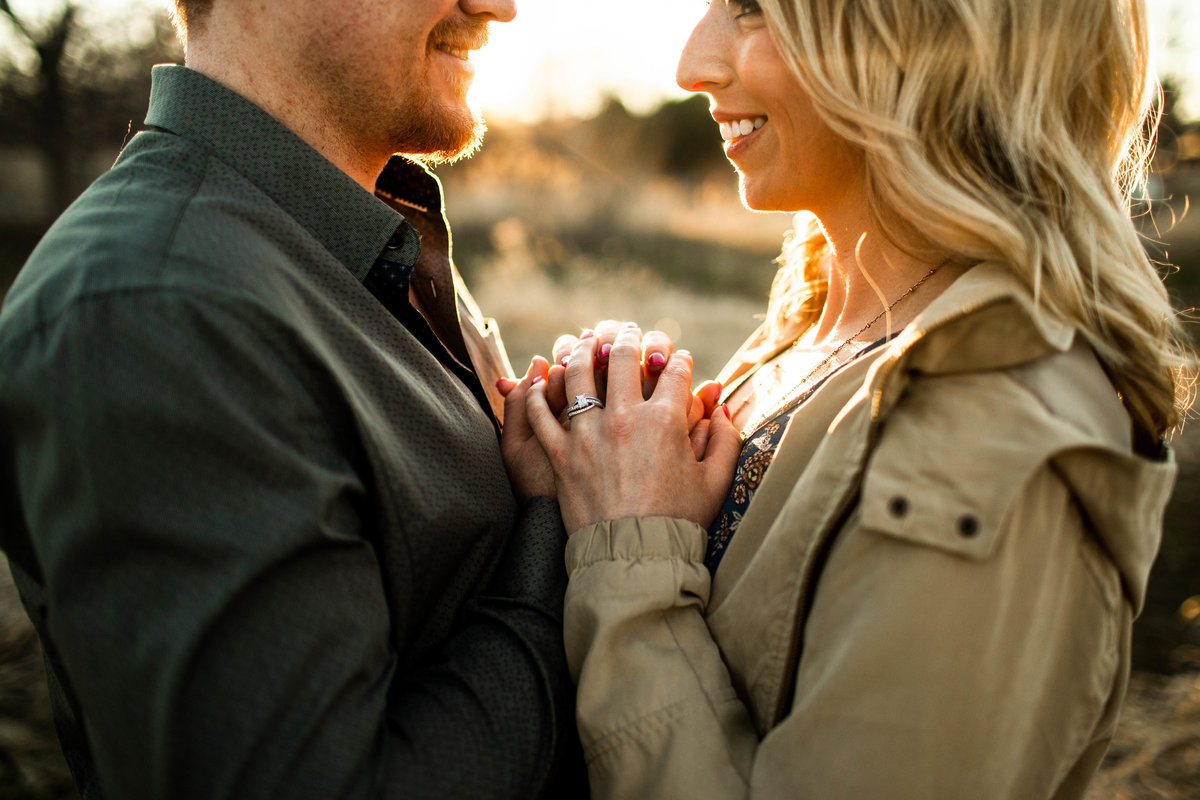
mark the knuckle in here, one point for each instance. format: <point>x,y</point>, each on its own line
<point>622,424</point>
<point>625,349</point>
<point>661,415</point>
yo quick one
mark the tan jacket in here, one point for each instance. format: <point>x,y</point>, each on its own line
<point>929,597</point>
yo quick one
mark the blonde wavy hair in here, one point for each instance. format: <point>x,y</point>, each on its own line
<point>1004,130</point>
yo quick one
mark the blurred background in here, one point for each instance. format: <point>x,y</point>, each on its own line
<point>601,192</point>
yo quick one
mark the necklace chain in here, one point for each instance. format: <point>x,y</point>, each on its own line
<point>817,371</point>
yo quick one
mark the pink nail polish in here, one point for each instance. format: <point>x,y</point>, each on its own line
<point>536,381</point>
<point>656,361</point>
<point>728,416</point>
<point>587,334</point>
<point>605,349</point>
<point>500,382</point>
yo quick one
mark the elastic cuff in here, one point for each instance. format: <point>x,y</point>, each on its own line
<point>636,538</point>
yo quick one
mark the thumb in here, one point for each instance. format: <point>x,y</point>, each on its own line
<point>709,394</point>
<point>506,385</point>
<point>722,450</point>
<point>542,421</point>
<point>695,411</point>
<point>515,418</point>
<point>699,437</point>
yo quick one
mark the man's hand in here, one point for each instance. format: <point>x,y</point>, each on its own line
<point>528,469</point>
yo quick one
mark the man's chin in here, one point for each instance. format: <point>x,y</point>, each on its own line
<point>454,141</point>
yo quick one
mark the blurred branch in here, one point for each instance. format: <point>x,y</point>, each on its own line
<point>51,42</point>
<point>15,20</point>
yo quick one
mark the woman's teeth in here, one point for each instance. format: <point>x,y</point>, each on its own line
<point>740,127</point>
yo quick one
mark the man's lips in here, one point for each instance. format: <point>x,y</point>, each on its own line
<point>461,51</point>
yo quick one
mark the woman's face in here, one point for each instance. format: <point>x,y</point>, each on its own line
<point>786,157</point>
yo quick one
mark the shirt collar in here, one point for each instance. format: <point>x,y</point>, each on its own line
<point>349,221</point>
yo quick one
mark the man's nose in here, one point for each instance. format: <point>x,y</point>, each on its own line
<point>498,10</point>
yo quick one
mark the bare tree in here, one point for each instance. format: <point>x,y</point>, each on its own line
<point>86,90</point>
<point>49,42</point>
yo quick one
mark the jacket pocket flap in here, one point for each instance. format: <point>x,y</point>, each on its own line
<point>947,466</point>
<point>924,513</point>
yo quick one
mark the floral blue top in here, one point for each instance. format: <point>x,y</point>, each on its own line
<point>757,452</point>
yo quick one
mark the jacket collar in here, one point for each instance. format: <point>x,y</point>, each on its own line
<point>985,320</point>
<point>348,220</point>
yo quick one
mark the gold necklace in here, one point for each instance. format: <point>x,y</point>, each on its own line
<point>816,372</point>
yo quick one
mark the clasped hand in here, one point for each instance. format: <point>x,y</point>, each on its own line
<point>654,449</point>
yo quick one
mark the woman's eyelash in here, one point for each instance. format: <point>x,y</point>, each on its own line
<point>747,7</point>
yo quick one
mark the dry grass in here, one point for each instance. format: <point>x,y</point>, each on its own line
<point>533,308</point>
<point>1156,753</point>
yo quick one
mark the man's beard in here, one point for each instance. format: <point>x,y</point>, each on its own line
<point>433,134</point>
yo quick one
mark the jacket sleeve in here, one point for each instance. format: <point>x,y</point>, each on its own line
<point>933,665</point>
<point>657,713</point>
<point>204,588</point>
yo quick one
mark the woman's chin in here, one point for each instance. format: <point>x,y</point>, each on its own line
<point>755,199</point>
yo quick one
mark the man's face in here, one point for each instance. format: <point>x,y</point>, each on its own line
<point>395,73</point>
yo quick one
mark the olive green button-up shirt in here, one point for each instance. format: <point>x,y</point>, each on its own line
<point>264,533</point>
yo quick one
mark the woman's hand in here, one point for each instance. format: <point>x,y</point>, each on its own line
<point>656,351</point>
<point>633,457</point>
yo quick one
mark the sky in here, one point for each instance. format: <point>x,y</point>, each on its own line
<point>565,57</point>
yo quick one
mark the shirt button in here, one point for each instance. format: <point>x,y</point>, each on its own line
<point>968,525</point>
<point>898,506</point>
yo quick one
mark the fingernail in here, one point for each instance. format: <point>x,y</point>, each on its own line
<point>536,380</point>
<point>500,382</point>
<point>630,325</point>
<point>587,334</point>
<point>656,361</point>
<point>564,360</point>
<point>728,416</point>
<point>605,349</point>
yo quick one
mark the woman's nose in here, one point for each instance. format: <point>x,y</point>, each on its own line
<point>703,65</point>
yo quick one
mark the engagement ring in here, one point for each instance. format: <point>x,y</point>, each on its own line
<point>583,402</point>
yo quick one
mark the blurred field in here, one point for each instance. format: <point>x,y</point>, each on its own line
<point>562,225</point>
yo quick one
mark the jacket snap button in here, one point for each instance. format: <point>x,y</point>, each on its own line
<point>968,526</point>
<point>898,506</point>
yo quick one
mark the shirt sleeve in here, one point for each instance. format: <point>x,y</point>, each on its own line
<point>210,598</point>
<point>924,673</point>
